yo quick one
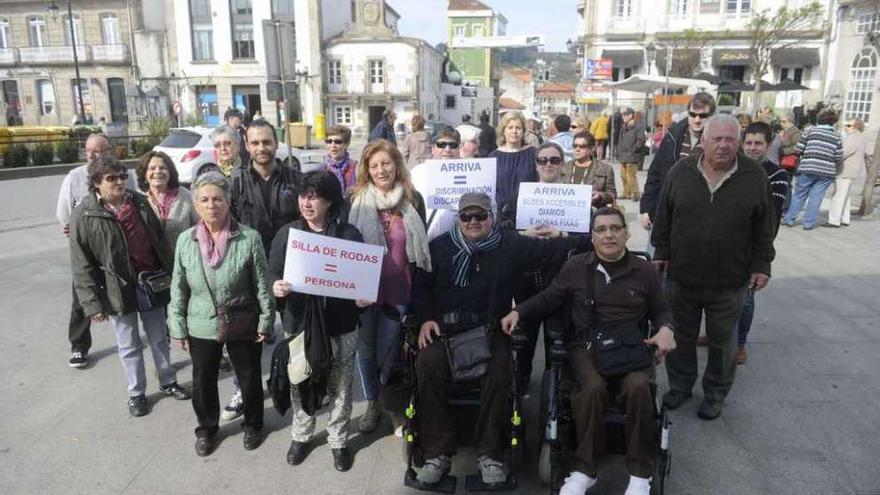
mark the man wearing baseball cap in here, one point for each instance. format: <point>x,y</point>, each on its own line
<point>471,286</point>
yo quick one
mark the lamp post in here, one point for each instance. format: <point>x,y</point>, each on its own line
<point>53,12</point>
<point>651,55</point>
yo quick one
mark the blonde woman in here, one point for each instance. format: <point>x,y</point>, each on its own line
<point>515,163</point>
<point>854,148</point>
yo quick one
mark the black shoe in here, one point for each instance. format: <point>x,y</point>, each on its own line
<point>341,459</point>
<point>205,445</point>
<point>78,359</point>
<point>174,390</point>
<point>252,439</point>
<point>675,398</point>
<point>709,410</point>
<point>297,453</point>
<point>137,406</point>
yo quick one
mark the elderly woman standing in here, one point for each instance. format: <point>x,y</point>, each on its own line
<point>417,147</point>
<point>389,212</point>
<point>585,169</point>
<point>220,268</point>
<point>115,239</point>
<point>172,204</point>
<point>515,163</point>
<point>854,147</point>
<point>227,143</point>
<point>320,203</point>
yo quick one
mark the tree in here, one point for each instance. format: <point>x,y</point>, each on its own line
<point>684,46</point>
<point>768,33</point>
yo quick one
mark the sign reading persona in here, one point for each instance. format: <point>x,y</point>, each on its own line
<point>326,266</point>
<point>564,206</point>
<point>446,180</point>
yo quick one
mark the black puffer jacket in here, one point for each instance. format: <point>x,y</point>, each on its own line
<point>249,207</point>
<point>666,156</point>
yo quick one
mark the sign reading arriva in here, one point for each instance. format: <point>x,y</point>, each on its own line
<point>564,206</point>
<point>446,180</point>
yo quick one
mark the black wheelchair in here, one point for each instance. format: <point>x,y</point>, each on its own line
<point>465,395</point>
<point>560,437</point>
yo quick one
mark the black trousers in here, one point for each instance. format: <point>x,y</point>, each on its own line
<point>435,386</point>
<point>79,329</point>
<point>245,357</point>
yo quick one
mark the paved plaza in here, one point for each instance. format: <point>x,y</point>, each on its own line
<point>803,417</point>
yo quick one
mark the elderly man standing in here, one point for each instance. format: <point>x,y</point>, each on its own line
<point>630,150</point>
<point>73,189</point>
<point>714,237</point>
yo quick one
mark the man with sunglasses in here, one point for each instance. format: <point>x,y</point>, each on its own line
<point>446,146</point>
<point>682,140</point>
<point>457,296</point>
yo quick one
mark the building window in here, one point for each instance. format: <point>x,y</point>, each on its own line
<point>678,8</point>
<point>477,30</point>
<point>334,72</point>
<point>118,106</point>
<point>796,74</point>
<point>710,6</point>
<point>738,7</point>
<point>37,30</point>
<point>86,95</point>
<point>623,9</point>
<point>860,93</point>
<point>5,36</point>
<point>282,7</point>
<point>343,115</point>
<point>242,28</point>
<point>77,30</point>
<point>459,31</point>
<point>46,96</point>
<point>450,102</point>
<point>209,110</point>
<point>377,72</point>
<point>868,23</point>
<point>202,29</point>
<point>110,29</point>
<point>625,72</point>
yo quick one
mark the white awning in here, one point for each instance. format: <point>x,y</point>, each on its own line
<point>642,83</point>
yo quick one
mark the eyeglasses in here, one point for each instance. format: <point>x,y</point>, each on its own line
<point>702,116</point>
<point>544,160</point>
<point>614,229</point>
<point>467,217</point>
<point>581,146</point>
<point>450,145</point>
<point>334,141</point>
<point>223,144</point>
<point>116,178</point>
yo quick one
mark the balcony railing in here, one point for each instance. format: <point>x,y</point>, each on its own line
<point>110,53</point>
<point>8,56</point>
<point>54,54</point>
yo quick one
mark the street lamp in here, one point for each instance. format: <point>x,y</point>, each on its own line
<point>651,54</point>
<point>53,13</point>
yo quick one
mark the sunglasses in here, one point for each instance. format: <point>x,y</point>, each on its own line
<point>116,178</point>
<point>467,217</point>
<point>334,141</point>
<point>702,116</point>
<point>544,160</point>
<point>581,146</point>
<point>450,145</point>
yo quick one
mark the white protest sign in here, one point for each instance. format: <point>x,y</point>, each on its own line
<point>446,180</point>
<point>564,206</point>
<point>326,266</point>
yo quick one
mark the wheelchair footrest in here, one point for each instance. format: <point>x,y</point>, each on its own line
<point>474,483</point>
<point>447,484</point>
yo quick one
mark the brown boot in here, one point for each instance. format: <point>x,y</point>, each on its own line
<point>703,341</point>
<point>741,355</point>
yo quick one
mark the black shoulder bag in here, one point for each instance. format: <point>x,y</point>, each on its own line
<point>238,319</point>
<point>469,352</point>
<point>617,347</point>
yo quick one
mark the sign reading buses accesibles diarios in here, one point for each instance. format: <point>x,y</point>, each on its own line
<point>564,206</point>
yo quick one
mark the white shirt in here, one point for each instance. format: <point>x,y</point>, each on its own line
<point>439,221</point>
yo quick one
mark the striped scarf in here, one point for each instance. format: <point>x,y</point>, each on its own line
<point>466,249</point>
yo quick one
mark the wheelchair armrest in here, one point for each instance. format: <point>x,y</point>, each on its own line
<point>558,353</point>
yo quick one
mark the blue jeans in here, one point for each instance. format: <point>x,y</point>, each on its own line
<point>745,318</point>
<point>378,348</point>
<point>809,191</point>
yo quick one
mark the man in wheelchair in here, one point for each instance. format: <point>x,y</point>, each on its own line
<point>458,306</point>
<point>609,293</point>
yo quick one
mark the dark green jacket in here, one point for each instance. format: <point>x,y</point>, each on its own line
<point>103,276</point>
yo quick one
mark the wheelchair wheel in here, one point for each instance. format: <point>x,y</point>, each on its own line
<point>545,470</point>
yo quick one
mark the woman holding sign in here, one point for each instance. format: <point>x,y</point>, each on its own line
<point>320,202</point>
<point>389,212</point>
<point>515,163</point>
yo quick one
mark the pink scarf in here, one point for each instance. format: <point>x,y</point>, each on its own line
<point>163,208</point>
<point>212,252</point>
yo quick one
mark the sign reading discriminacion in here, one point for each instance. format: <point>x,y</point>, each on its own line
<point>564,206</point>
<point>447,180</point>
<point>326,266</point>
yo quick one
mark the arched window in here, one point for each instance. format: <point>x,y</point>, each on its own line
<point>862,82</point>
<point>5,35</point>
<point>37,30</point>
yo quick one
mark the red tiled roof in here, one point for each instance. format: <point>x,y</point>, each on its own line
<point>556,88</point>
<point>524,75</point>
<point>510,104</point>
<point>467,5</point>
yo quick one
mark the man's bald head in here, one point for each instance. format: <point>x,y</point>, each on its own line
<point>97,146</point>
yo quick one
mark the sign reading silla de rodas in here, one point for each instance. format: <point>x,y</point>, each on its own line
<point>326,266</point>
<point>564,206</point>
<point>447,180</point>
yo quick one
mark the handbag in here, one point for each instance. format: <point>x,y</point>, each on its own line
<point>237,319</point>
<point>617,348</point>
<point>152,290</point>
<point>298,368</point>
<point>469,352</point>
<point>789,162</point>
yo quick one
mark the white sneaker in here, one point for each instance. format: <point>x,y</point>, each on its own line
<point>577,483</point>
<point>234,408</point>
<point>370,419</point>
<point>638,486</point>
<point>398,432</point>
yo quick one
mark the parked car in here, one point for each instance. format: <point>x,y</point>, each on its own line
<point>192,151</point>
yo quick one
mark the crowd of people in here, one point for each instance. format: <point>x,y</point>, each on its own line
<point>203,267</point>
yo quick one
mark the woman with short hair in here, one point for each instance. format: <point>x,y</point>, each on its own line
<point>338,161</point>
<point>220,272</point>
<point>855,146</point>
<point>587,169</point>
<point>417,146</point>
<point>227,144</point>
<point>157,178</point>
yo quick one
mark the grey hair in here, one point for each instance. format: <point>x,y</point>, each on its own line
<point>721,118</point>
<point>229,131</point>
<point>211,178</point>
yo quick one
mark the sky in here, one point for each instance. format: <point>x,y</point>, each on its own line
<point>426,19</point>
